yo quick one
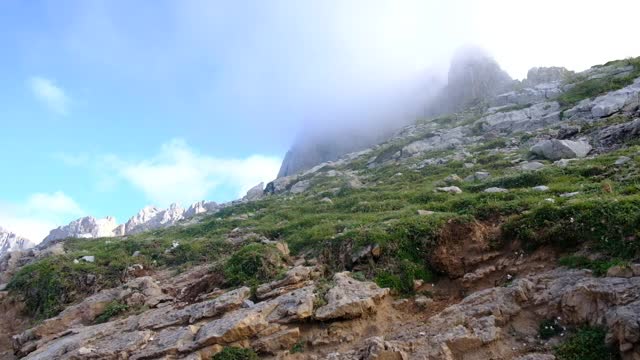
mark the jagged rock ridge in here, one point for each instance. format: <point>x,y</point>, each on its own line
<point>12,242</point>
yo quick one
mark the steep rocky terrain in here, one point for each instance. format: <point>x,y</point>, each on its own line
<point>504,228</point>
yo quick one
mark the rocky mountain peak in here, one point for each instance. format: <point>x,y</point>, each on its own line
<point>86,227</point>
<point>9,241</point>
<point>473,75</point>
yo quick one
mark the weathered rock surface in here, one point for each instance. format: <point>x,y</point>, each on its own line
<point>255,192</point>
<point>555,149</point>
<point>350,298</point>
<point>533,117</point>
<point>152,217</point>
<point>86,227</point>
<point>607,104</point>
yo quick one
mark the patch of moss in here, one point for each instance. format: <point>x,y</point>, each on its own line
<point>587,343</point>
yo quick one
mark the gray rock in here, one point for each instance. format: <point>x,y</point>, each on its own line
<point>615,135</point>
<point>495,190</point>
<point>300,187</point>
<point>531,166</point>
<point>563,163</point>
<point>622,160</point>
<point>450,189</point>
<point>255,192</point>
<point>570,194</point>
<point>531,118</point>
<point>607,104</point>
<point>555,149</point>
<point>541,188</point>
<point>442,141</point>
<point>88,258</point>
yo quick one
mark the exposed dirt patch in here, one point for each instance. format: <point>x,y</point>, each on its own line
<point>461,246</point>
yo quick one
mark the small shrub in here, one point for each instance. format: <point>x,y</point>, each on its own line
<point>42,288</point>
<point>588,343</point>
<point>401,276</point>
<point>297,347</point>
<point>234,353</point>
<point>254,263</point>
<point>113,309</point>
<point>549,328</point>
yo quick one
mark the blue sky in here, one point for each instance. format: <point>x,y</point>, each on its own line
<point>108,106</point>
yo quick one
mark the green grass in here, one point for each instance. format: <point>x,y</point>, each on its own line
<point>254,264</point>
<point>112,310</point>
<point>586,89</point>
<point>383,213</point>
<point>587,343</point>
<point>599,267</point>
<point>235,353</point>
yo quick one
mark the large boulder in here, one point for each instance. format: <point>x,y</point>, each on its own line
<point>555,149</point>
<point>255,192</point>
<point>350,298</point>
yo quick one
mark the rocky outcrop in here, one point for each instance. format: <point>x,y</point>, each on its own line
<point>173,329</point>
<point>607,104</point>
<point>448,139</point>
<point>152,217</point>
<point>200,207</point>
<point>613,136</point>
<point>555,149</point>
<point>86,227</point>
<point>350,298</point>
<point>12,242</point>
<point>545,75</point>
<point>533,117</point>
<point>473,76</point>
<point>255,192</point>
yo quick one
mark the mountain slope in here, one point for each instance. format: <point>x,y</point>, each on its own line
<point>507,230</point>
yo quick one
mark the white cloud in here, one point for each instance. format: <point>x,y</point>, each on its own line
<point>57,203</point>
<point>180,174</point>
<point>38,214</point>
<point>53,96</point>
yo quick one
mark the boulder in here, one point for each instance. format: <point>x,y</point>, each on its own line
<point>450,189</point>
<point>255,192</point>
<point>350,298</point>
<point>555,149</point>
<point>531,166</point>
<point>300,187</point>
<point>495,190</point>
